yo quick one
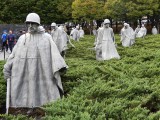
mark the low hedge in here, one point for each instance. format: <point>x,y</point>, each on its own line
<point>125,89</point>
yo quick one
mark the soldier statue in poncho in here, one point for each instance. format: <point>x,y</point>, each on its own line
<point>33,68</point>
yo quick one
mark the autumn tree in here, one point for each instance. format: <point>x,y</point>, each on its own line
<point>87,10</point>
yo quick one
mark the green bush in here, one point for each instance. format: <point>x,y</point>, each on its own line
<point>2,85</point>
<point>125,89</point>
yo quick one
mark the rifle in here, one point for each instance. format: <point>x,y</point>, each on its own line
<point>8,92</point>
<point>8,95</point>
<point>70,41</point>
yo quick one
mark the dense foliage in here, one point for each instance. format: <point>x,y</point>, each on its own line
<point>125,10</point>
<point>87,10</point>
<point>131,9</point>
<point>2,85</point>
<point>60,11</point>
<point>15,11</point>
<point>125,89</point>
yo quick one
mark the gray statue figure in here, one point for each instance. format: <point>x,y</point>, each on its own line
<point>33,68</point>
<point>105,44</point>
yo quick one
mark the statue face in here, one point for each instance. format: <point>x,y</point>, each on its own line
<point>53,27</point>
<point>126,26</point>
<point>32,27</point>
<point>106,25</point>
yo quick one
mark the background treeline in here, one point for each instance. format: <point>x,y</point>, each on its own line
<point>60,11</point>
<point>15,11</point>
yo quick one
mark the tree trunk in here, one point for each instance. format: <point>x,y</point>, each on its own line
<point>111,22</point>
<point>140,22</point>
<point>116,27</point>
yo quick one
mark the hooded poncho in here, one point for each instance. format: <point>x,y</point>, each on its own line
<point>81,33</point>
<point>59,38</point>
<point>75,34</point>
<point>154,30</point>
<point>105,47</point>
<point>127,36</point>
<point>33,68</point>
<point>142,32</point>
